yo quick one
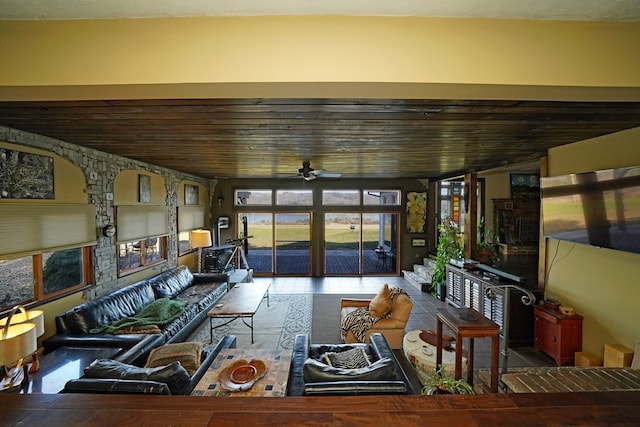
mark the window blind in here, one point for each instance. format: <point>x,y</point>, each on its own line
<point>26,229</point>
<point>190,218</point>
<point>139,222</point>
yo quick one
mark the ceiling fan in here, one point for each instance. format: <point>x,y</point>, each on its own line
<point>309,173</point>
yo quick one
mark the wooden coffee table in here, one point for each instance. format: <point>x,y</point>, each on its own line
<point>242,301</point>
<point>273,384</point>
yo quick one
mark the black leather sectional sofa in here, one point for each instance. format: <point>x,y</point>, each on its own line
<point>201,291</point>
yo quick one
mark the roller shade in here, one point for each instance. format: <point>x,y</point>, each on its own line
<point>140,222</point>
<point>26,229</point>
<point>190,218</point>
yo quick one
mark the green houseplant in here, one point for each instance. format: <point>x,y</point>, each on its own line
<point>439,383</point>
<point>488,247</point>
<point>449,246</point>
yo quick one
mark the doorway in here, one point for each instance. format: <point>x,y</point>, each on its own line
<point>360,243</point>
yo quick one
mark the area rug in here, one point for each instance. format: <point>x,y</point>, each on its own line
<point>325,326</point>
<point>275,326</point>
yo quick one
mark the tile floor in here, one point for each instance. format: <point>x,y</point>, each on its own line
<point>423,315</point>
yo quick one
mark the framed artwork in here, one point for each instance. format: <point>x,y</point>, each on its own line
<point>525,185</point>
<point>418,242</point>
<point>144,188</point>
<point>416,211</point>
<point>191,194</point>
<point>25,175</point>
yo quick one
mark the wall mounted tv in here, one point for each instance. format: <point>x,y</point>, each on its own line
<point>600,208</point>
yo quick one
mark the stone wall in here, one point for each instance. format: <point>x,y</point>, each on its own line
<point>100,170</point>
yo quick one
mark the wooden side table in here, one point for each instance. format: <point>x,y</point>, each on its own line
<point>468,323</point>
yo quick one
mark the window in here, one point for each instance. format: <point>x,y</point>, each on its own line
<point>135,255</point>
<point>381,197</point>
<point>294,198</point>
<point>189,218</point>
<point>40,277</point>
<point>340,197</point>
<point>184,243</point>
<point>253,197</point>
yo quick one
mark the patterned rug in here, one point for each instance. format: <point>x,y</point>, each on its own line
<point>275,326</point>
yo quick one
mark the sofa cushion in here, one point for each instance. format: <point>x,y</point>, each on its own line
<point>172,282</point>
<point>380,306</point>
<point>350,359</point>
<point>316,371</point>
<point>187,353</point>
<point>174,375</point>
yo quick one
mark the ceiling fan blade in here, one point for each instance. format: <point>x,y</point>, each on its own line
<point>329,175</point>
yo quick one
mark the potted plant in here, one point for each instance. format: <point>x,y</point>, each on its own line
<point>488,247</point>
<point>439,383</point>
<point>449,246</point>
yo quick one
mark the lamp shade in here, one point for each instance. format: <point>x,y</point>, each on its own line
<point>32,316</point>
<point>200,239</point>
<point>20,341</point>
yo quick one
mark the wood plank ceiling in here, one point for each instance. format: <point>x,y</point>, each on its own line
<point>358,138</point>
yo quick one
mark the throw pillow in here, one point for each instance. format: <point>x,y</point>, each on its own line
<point>187,353</point>
<point>380,306</point>
<point>349,359</point>
<point>173,375</point>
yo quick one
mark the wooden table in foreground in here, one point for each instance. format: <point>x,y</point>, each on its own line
<point>242,301</point>
<point>468,323</point>
<point>494,409</point>
<point>273,384</point>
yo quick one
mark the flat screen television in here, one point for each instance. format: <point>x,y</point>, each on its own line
<point>600,208</point>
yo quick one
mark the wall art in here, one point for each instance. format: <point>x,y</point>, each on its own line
<point>525,186</point>
<point>144,188</point>
<point>416,211</point>
<point>25,175</point>
<point>191,194</point>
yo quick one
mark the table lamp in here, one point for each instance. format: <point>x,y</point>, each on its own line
<point>17,341</point>
<point>20,315</point>
<point>200,239</point>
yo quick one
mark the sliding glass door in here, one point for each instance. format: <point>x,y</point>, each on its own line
<point>360,243</point>
<point>342,243</point>
<point>259,229</point>
<point>278,243</point>
<point>293,243</point>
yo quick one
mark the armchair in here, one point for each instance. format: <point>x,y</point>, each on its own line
<point>307,377</point>
<point>392,327</point>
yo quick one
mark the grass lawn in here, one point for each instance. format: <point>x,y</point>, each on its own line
<point>337,235</point>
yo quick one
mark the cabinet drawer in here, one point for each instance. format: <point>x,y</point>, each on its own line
<point>543,314</point>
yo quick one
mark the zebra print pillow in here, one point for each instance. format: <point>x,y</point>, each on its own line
<point>350,359</point>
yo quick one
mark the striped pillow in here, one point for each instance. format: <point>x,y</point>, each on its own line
<point>355,358</point>
<point>187,353</point>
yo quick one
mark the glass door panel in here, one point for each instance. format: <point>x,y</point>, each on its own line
<point>342,243</point>
<point>259,248</point>
<point>378,243</point>
<point>293,243</point>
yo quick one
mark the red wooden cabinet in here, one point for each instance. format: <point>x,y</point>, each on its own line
<point>557,335</point>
